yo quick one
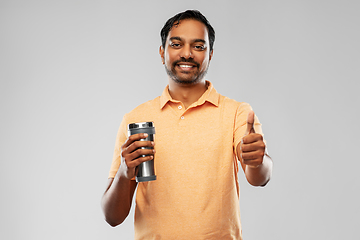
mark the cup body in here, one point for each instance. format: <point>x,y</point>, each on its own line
<point>146,171</point>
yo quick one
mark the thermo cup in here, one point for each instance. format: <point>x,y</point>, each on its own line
<point>146,170</point>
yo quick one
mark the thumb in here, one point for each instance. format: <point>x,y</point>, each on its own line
<point>250,123</point>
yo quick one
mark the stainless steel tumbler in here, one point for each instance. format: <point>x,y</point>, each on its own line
<point>146,171</point>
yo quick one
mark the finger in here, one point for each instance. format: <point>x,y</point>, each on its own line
<point>254,163</point>
<point>252,138</point>
<point>252,156</point>
<point>253,147</point>
<point>140,144</point>
<point>133,138</point>
<point>136,162</point>
<point>250,123</point>
<point>139,153</point>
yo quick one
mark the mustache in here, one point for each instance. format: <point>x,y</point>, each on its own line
<point>190,60</point>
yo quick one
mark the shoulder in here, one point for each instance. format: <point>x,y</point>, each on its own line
<point>234,105</point>
<point>144,110</point>
<point>154,103</point>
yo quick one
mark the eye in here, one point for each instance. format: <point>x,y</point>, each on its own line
<point>199,47</point>
<point>175,45</point>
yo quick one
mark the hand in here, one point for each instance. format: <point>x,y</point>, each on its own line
<point>133,153</point>
<point>252,146</point>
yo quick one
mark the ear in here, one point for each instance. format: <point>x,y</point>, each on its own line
<point>161,52</point>
<point>211,54</point>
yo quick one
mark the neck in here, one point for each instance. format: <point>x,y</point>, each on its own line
<point>187,94</point>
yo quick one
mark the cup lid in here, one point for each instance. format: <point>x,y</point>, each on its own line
<point>141,125</point>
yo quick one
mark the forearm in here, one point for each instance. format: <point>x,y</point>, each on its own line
<point>260,175</point>
<point>117,199</point>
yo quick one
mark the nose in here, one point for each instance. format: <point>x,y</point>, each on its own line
<point>186,52</point>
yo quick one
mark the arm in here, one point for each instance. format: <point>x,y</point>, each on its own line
<point>257,165</point>
<point>116,201</point>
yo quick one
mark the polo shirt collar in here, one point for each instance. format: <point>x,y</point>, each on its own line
<point>210,95</point>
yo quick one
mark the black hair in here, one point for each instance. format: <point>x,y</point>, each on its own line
<point>189,14</point>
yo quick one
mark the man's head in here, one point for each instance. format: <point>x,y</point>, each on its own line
<point>186,51</point>
<point>189,14</point>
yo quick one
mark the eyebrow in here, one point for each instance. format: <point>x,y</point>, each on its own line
<point>195,40</point>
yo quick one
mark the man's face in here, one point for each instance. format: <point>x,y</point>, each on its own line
<point>187,54</point>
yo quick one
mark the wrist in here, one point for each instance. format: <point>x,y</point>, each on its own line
<point>123,173</point>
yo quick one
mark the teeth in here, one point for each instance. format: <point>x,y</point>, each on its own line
<point>185,66</point>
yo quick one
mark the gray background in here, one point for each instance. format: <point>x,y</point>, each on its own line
<point>69,70</point>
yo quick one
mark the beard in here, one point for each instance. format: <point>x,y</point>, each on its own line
<point>190,78</point>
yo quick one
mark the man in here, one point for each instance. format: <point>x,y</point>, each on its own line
<point>201,137</point>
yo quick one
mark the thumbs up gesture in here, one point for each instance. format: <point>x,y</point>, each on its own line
<point>252,146</point>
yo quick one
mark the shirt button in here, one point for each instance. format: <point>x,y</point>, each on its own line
<point>179,107</point>
<point>182,117</point>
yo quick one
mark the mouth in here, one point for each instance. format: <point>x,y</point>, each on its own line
<point>186,66</point>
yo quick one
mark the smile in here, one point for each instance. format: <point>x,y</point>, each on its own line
<point>185,66</point>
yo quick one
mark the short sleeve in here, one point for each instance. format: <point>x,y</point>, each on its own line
<point>120,139</point>
<point>242,113</point>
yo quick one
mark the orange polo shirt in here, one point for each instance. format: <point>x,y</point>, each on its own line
<point>196,194</point>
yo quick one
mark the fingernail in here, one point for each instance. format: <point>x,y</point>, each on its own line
<point>145,134</point>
